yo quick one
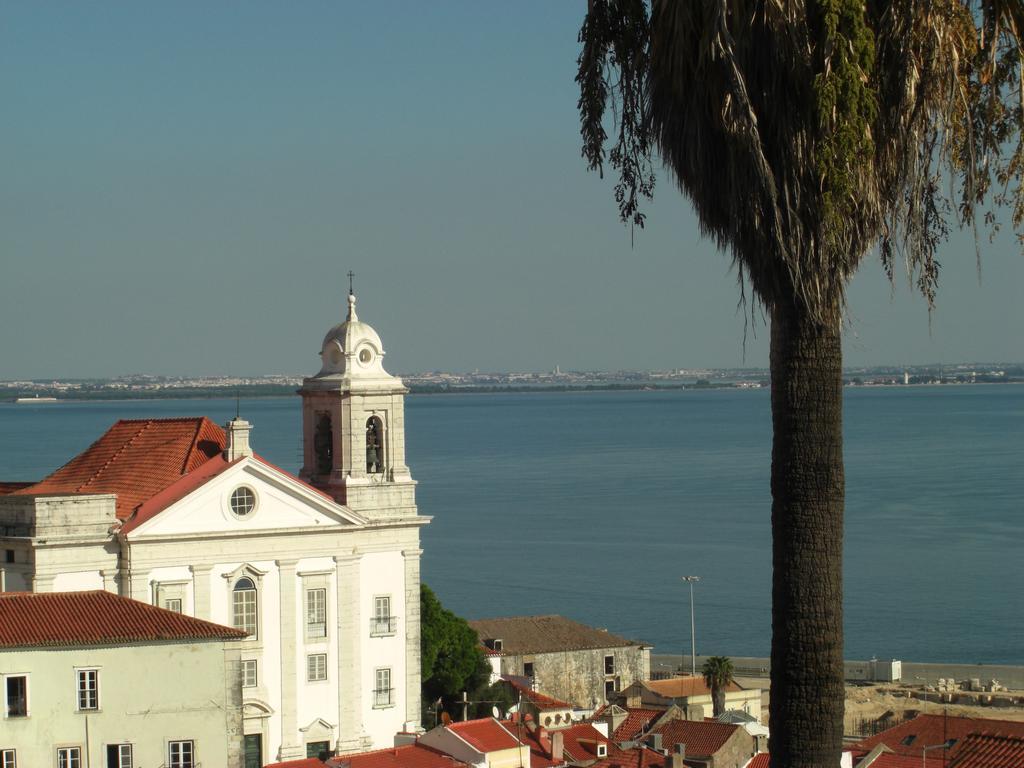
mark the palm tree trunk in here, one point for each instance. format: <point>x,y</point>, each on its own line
<point>807,690</point>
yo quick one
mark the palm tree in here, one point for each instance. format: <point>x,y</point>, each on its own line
<point>806,133</point>
<point>717,671</point>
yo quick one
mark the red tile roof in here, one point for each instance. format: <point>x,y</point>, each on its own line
<point>760,760</point>
<point>703,738</point>
<point>406,756</point>
<point>639,757</point>
<point>12,486</point>
<point>136,459</point>
<point>580,742</point>
<point>987,750</point>
<point>925,730</point>
<point>542,701</point>
<point>486,735</point>
<point>892,760</point>
<point>306,762</point>
<point>45,619</point>
<point>544,634</point>
<point>680,687</point>
<point>637,722</point>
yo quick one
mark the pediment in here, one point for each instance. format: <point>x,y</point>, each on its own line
<point>248,495</point>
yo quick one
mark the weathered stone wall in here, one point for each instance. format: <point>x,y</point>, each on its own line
<point>736,752</point>
<point>579,677</point>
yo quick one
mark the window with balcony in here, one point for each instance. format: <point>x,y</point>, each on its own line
<point>16,696</point>
<point>316,613</point>
<point>382,622</point>
<point>383,692</point>
<point>88,689</point>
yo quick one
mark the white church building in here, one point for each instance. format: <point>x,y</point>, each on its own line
<point>322,570</point>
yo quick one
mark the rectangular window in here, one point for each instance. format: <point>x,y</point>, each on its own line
<point>609,665</point>
<point>8,758</point>
<point>244,608</point>
<point>119,756</point>
<point>16,696</point>
<point>316,613</point>
<point>382,622</point>
<point>69,757</point>
<point>173,604</point>
<point>382,691</point>
<point>180,754</point>
<point>528,669</point>
<point>8,555</point>
<point>249,679</point>
<point>316,667</point>
<point>88,689</point>
<point>609,688</point>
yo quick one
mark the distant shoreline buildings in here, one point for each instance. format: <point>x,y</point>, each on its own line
<point>145,386</point>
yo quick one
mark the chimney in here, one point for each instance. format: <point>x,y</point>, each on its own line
<point>615,718</point>
<point>237,443</point>
<point>556,746</point>
<point>678,756</point>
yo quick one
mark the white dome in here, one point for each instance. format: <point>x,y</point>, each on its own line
<point>352,348</point>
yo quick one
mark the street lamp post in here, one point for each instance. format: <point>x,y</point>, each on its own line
<point>924,751</point>
<point>693,633</point>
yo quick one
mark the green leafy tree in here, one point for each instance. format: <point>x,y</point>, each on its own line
<point>451,656</point>
<point>807,133</point>
<point>718,673</point>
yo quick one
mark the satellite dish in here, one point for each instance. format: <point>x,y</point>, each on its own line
<point>446,718</point>
<point>495,713</point>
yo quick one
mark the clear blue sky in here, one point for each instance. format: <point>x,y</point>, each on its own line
<point>185,185</point>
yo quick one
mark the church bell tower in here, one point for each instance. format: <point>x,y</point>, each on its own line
<point>353,424</point>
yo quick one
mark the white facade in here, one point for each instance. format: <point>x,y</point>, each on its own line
<point>325,569</point>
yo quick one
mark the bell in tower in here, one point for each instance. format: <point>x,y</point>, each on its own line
<point>353,424</point>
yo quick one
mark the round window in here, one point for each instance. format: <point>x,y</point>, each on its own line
<point>243,501</point>
<point>365,356</point>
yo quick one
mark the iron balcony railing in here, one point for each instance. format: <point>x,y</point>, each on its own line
<point>383,625</point>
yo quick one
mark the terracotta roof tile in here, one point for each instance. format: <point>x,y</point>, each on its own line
<point>542,701</point>
<point>703,738</point>
<point>135,459</point>
<point>638,721</point>
<point>545,634</point>
<point>406,756</point>
<point>987,750</point>
<point>925,730</point>
<point>46,619</point>
<point>306,762</point>
<point>760,760</point>
<point>486,735</point>
<point>639,757</point>
<point>12,486</point>
<point>681,687</point>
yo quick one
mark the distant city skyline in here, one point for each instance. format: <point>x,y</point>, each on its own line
<point>186,186</point>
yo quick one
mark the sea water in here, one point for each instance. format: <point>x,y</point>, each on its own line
<point>593,505</point>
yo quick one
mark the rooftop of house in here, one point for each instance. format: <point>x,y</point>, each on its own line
<point>67,619</point>
<point>637,722</point>
<point>406,756</point>
<point>684,687</point>
<point>484,735</point>
<point>540,700</point>
<point>544,634</point>
<point>987,750</point>
<point>306,762</point>
<point>135,459</point>
<point>638,757</point>
<point>909,737</point>
<point>703,738</point>
<point>760,760</point>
